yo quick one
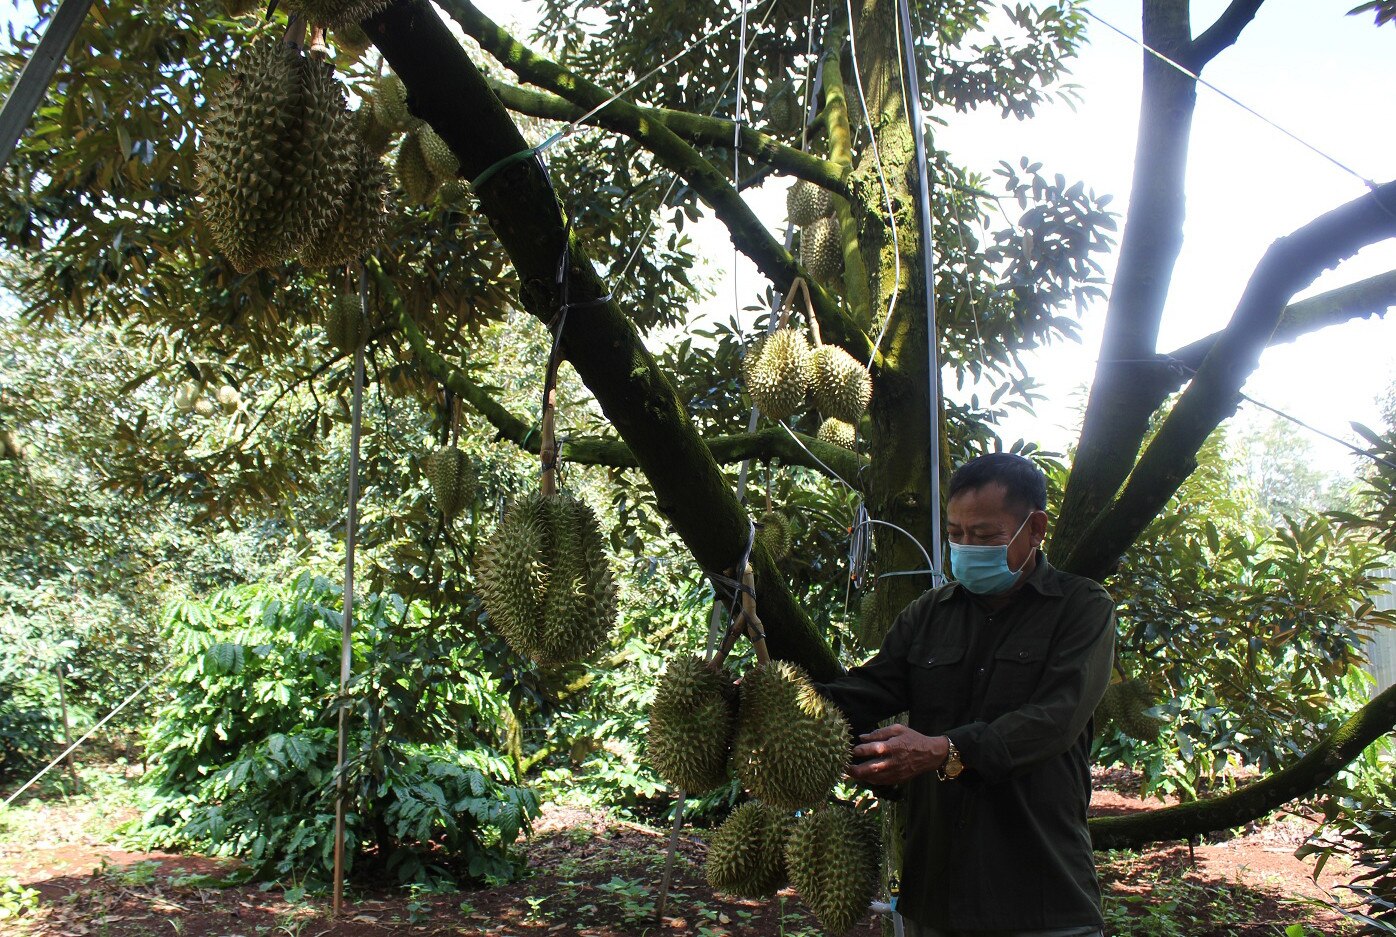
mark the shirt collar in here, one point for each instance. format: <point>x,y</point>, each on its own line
<point>1043,578</point>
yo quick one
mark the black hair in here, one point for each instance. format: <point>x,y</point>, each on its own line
<point>1024,484</point>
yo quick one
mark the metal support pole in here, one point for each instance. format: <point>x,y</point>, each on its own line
<point>923,214</point>
<point>38,72</point>
<point>346,648</point>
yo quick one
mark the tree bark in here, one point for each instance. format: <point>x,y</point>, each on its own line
<point>447,91</point>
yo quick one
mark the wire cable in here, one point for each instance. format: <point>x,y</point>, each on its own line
<point>1242,105</point>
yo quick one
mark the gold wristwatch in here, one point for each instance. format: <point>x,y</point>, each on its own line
<point>953,765</point>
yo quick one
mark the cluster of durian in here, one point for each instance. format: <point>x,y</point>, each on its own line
<point>781,370</point>
<point>282,173</point>
<point>545,581</point>
<point>1125,705</point>
<point>424,163</point>
<point>452,480</point>
<point>831,856</point>
<point>204,399</point>
<point>811,208</point>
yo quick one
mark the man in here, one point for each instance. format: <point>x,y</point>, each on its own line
<point>1001,671</point>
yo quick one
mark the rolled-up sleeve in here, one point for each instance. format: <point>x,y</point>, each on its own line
<point>1073,681</point>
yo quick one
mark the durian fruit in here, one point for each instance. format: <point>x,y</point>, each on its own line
<point>792,744</point>
<point>873,620</point>
<point>228,398</point>
<point>821,252</point>
<point>336,13</point>
<point>692,719</point>
<point>776,373</point>
<point>185,395</point>
<point>746,856</point>
<point>275,158</point>
<point>439,158</point>
<point>783,112</point>
<point>545,581</point>
<point>345,326</point>
<point>413,175</point>
<point>374,135</point>
<point>775,532</point>
<point>361,222</point>
<point>806,203</point>
<point>452,192</point>
<point>838,433</point>
<point>1132,699</point>
<point>833,858</point>
<point>452,480</point>
<point>390,104</point>
<point>351,39</point>
<point>840,385</point>
<point>204,407</point>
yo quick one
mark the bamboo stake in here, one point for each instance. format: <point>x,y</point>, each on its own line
<point>67,729</point>
<point>346,647</point>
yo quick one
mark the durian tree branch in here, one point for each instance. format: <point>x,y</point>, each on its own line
<point>695,128</point>
<point>1318,766</point>
<point>855,270</point>
<point>763,445</point>
<point>447,90</point>
<point>748,233</point>
<point>1288,266</point>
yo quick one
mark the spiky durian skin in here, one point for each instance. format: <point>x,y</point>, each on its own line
<point>336,13</point>
<point>1132,698</point>
<point>390,104</point>
<point>746,856</point>
<point>275,160</point>
<point>451,478</point>
<point>792,744</point>
<point>774,531</point>
<point>185,395</point>
<point>452,192</point>
<point>873,622</point>
<point>838,433</point>
<point>840,385</point>
<point>439,158</point>
<point>345,325</point>
<point>832,856</point>
<point>776,373</point>
<point>545,581</point>
<point>374,135</point>
<point>413,175</point>
<point>362,220</point>
<point>806,203</point>
<point>820,250</point>
<point>228,398</point>
<point>692,719</point>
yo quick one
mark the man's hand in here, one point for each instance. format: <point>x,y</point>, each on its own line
<point>897,754</point>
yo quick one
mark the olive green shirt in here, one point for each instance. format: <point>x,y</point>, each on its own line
<point>1004,846</point>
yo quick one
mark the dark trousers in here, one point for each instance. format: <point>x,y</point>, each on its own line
<point>921,930</point>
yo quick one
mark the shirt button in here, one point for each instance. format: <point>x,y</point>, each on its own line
<point>981,669</point>
<point>1022,654</point>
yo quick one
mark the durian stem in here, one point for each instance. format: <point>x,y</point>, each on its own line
<point>547,451</point>
<point>799,283</point>
<point>317,43</point>
<point>753,621</point>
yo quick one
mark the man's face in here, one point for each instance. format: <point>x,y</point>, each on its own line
<point>979,517</point>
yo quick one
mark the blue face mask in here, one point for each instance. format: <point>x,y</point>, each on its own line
<point>984,570</point>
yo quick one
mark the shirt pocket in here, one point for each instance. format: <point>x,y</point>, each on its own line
<point>1018,670</point>
<point>938,688</point>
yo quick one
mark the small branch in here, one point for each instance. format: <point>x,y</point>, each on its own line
<point>748,233</point>
<point>1318,766</point>
<point>695,128</point>
<point>764,445</point>
<point>1222,34</point>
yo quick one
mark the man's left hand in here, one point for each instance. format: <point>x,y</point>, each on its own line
<point>896,754</point>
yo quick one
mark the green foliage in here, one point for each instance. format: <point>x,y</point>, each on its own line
<point>244,753</point>
<point>1244,632</point>
<point>1362,830</point>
